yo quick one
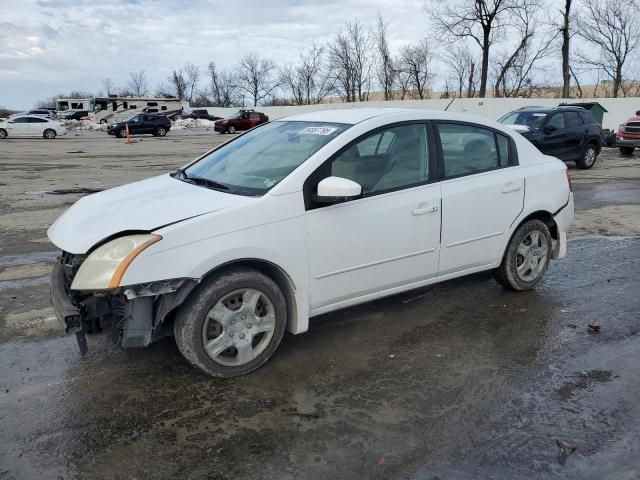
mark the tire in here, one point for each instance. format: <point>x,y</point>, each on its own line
<point>589,156</point>
<point>232,129</point>
<point>103,121</point>
<point>510,273</point>
<point>3,133</point>
<point>627,151</point>
<point>219,312</point>
<point>49,134</point>
<point>122,132</point>
<point>161,131</point>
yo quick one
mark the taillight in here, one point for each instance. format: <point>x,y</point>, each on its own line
<point>569,181</point>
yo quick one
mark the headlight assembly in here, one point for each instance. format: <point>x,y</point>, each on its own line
<point>104,267</point>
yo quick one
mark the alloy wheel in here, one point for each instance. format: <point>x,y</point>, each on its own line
<point>239,327</point>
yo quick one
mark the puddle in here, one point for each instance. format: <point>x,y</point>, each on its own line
<point>28,258</point>
<point>67,191</point>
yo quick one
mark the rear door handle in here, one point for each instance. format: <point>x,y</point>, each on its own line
<point>510,187</point>
<point>422,209</point>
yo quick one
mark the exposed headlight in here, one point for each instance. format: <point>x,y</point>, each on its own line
<point>104,267</point>
<point>621,127</point>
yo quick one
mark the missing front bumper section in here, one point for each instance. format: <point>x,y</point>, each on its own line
<point>135,315</point>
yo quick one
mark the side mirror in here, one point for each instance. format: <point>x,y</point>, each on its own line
<point>336,190</point>
<point>550,129</point>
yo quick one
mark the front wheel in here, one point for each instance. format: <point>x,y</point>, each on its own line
<point>526,258</point>
<point>121,132</point>
<point>161,131</point>
<point>232,323</point>
<point>3,133</point>
<point>49,134</point>
<point>588,157</point>
<point>627,150</point>
<point>232,129</point>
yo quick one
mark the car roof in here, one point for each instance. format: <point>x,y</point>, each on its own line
<point>349,116</point>
<point>33,116</point>
<point>550,109</point>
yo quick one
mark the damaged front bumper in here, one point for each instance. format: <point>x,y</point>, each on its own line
<point>136,315</point>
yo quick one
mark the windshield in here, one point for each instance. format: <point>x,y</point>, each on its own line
<point>256,161</point>
<point>532,120</point>
<point>130,118</point>
<point>235,115</point>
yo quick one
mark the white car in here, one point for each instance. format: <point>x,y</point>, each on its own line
<point>31,126</point>
<point>302,216</point>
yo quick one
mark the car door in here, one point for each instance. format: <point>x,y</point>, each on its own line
<point>387,238</point>
<point>37,126</point>
<point>135,124</point>
<point>19,127</point>
<point>554,137</point>
<point>575,135</point>
<point>482,194</point>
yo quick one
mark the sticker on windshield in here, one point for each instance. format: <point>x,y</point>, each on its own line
<point>318,131</point>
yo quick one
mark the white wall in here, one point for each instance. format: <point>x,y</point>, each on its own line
<point>619,109</point>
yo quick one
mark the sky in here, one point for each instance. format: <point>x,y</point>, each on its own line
<point>50,47</point>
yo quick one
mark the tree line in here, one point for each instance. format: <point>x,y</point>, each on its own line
<point>475,48</point>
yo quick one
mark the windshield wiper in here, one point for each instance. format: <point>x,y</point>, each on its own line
<point>204,182</point>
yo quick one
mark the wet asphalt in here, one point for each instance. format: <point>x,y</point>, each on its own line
<point>461,380</point>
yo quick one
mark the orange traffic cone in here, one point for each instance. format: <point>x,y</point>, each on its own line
<point>126,126</point>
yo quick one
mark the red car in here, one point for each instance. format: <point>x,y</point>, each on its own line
<point>628,135</point>
<point>243,120</point>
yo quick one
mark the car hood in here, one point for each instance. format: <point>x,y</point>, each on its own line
<point>141,206</point>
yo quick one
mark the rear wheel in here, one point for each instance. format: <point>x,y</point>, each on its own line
<point>161,131</point>
<point>588,157</point>
<point>527,257</point>
<point>3,133</point>
<point>232,323</point>
<point>49,133</point>
<point>626,150</point>
<point>232,129</point>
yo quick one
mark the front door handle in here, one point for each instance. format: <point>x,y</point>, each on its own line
<point>510,187</point>
<point>423,208</point>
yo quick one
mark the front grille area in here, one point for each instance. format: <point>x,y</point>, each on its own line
<point>632,127</point>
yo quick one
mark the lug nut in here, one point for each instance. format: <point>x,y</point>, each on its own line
<point>248,325</point>
<point>241,335</point>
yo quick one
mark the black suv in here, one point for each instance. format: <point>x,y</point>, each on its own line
<point>157,125</point>
<point>569,133</point>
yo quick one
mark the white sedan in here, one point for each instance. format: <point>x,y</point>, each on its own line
<point>31,126</point>
<point>302,216</point>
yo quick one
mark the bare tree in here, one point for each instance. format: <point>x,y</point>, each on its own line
<point>481,20</point>
<point>192,77</point>
<point>223,85</point>
<point>462,66</point>
<point>306,82</point>
<point>611,27</point>
<point>350,63</point>
<point>514,69</point>
<point>178,83</point>
<point>416,61</point>
<point>385,70</point>
<point>256,77</point>
<point>403,79</point>
<point>108,86</point>
<point>566,39</point>
<point>138,84</point>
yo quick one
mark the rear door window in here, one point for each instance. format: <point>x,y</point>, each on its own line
<point>572,119</point>
<point>468,149</point>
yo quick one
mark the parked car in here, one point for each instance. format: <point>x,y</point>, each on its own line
<point>201,114</point>
<point>568,133</point>
<point>40,112</point>
<point>628,135</point>
<point>242,120</point>
<point>302,216</point>
<point>31,126</point>
<point>157,125</point>
<point>75,114</point>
